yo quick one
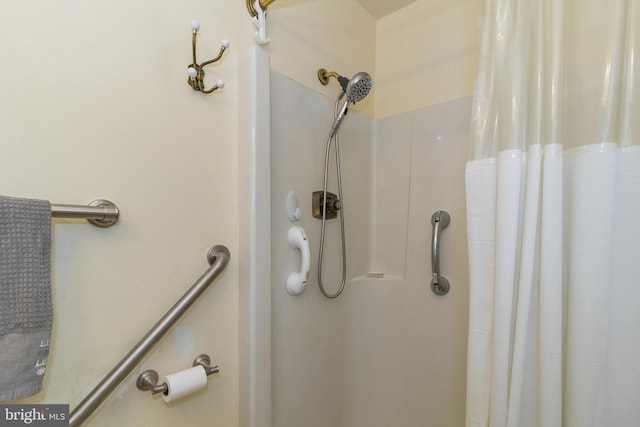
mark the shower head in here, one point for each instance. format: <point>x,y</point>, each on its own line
<point>355,90</point>
<point>358,87</point>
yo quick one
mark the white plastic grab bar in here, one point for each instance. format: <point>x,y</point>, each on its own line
<point>297,282</point>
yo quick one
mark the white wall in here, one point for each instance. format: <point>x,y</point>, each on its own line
<point>387,351</point>
<point>309,341</point>
<point>408,346</point>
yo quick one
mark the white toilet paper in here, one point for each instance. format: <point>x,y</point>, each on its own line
<point>184,382</point>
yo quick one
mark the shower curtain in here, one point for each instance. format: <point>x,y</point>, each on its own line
<point>553,211</point>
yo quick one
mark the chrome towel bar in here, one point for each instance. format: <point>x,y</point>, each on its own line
<point>101,213</point>
<point>218,257</point>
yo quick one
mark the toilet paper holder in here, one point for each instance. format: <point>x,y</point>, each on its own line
<point>148,380</point>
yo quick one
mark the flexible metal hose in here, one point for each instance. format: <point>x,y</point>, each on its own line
<point>324,213</point>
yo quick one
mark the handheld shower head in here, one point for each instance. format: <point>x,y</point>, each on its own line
<point>358,87</point>
<point>355,90</point>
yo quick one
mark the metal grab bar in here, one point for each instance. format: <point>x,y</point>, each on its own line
<point>218,257</point>
<point>101,213</point>
<point>439,284</point>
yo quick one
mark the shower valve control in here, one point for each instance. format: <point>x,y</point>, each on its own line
<point>332,205</point>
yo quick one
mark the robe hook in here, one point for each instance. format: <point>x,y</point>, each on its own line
<point>196,71</point>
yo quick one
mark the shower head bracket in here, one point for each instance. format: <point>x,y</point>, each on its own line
<point>324,76</point>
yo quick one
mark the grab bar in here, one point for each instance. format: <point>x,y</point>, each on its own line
<point>439,284</point>
<point>218,257</point>
<point>101,213</point>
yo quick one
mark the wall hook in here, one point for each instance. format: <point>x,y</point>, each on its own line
<point>196,71</point>
<point>258,11</point>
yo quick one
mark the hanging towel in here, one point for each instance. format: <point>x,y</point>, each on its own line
<point>26,312</point>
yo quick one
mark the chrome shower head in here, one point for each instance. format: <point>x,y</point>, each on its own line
<point>355,90</point>
<point>358,87</point>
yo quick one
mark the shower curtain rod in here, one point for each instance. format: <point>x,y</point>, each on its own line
<point>262,3</point>
<point>101,213</point>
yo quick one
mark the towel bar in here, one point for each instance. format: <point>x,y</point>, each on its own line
<point>101,213</point>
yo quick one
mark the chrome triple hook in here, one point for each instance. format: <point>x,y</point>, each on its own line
<point>196,71</point>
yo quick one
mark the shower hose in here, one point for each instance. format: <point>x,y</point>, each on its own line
<point>324,198</point>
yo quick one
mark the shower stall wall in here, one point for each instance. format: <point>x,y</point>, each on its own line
<point>387,351</point>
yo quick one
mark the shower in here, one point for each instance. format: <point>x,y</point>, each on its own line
<point>326,205</point>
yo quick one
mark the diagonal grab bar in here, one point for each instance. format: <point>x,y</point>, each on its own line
<point>218,257</point>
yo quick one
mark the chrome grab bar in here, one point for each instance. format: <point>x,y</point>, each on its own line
<point>439,284</point>
<point>101,213</point>
<point>218,257</point>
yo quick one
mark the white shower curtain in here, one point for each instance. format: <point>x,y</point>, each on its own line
<point>553,212</point>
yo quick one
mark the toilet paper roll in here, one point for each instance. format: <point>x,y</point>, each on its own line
<point>184,382</point>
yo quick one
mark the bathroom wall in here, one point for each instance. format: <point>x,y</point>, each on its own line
<point>338,35</point>
<point>94,104</point>
<point>426,54</point>
<point>423,54</point>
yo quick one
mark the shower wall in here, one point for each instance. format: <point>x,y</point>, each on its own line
<point>309,334</point>
<point>387,351</point>
<point>408,346</point>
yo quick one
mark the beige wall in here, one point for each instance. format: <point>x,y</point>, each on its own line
<point>426,54</point>
<point>423,54</point>
<point>338,35</point>
<point>94,103</point>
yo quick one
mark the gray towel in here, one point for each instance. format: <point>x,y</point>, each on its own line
<point>26,312</point>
